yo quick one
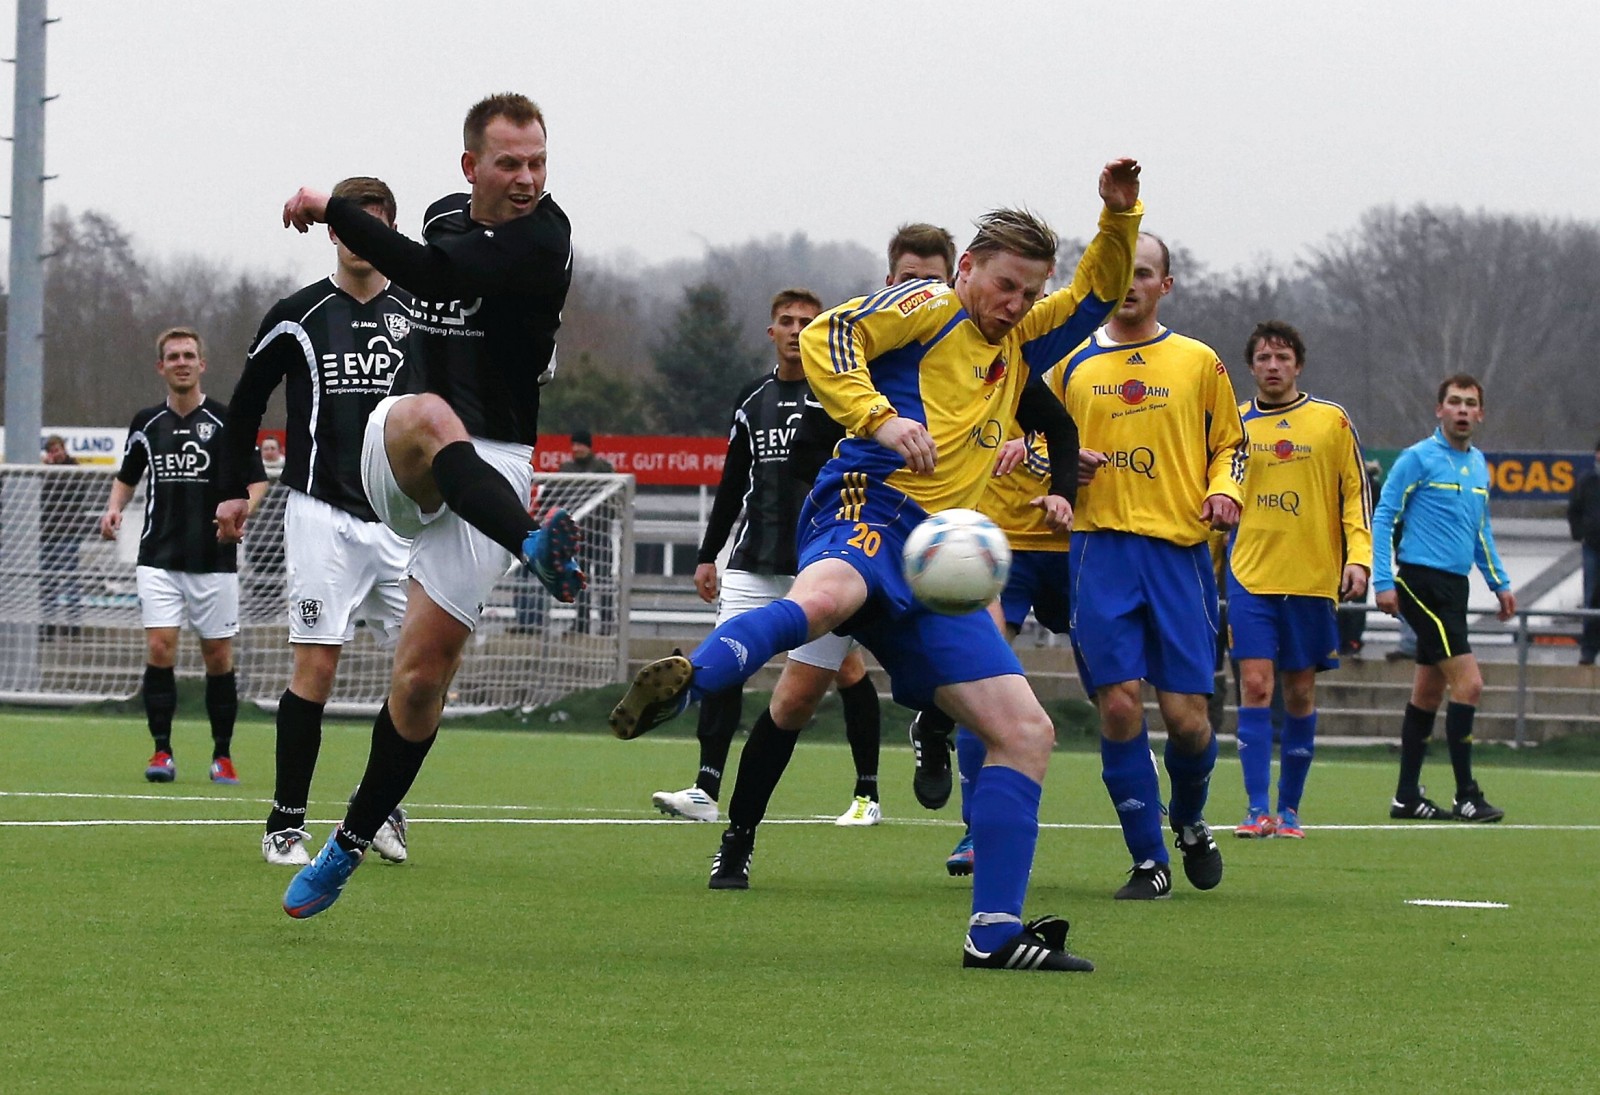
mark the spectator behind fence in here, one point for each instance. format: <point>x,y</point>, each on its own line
<point>272,457</point>
<point>61,528</point>
<point>1583,517</point>
<point>597,540</point>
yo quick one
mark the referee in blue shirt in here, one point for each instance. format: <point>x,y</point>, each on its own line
<point>1438,491</point>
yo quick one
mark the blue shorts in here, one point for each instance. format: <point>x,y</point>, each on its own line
<point>1293,633</point>
<point>1039,580</point>
<point>866,524</point>
<point>1143,609</point>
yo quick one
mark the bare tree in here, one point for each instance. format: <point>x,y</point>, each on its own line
<point>1422,293</point>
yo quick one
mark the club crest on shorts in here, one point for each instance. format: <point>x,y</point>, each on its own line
<point>399,326</point>
<point>310,610</point>
<point>205,430</point>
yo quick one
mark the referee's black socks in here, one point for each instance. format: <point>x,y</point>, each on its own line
<point>1458,733</point>
<point>1415,730</point>
<point>481,496</point>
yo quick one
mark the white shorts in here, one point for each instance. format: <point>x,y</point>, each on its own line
<point>208,603</point>
<point>455,563</point>
<point>341,569</point>
<point>743,591</point>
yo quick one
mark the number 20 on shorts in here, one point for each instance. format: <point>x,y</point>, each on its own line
<point>867,539</point>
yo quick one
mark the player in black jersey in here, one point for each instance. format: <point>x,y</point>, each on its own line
<point>185,574</point>
<point>758,481</point>
<point>336,346</point>
<point>451,466</point>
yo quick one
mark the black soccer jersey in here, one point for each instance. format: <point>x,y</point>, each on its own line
<point>180,505</point>
<point>488,303</point>
<point>337,357</point>
<point>757,479</point>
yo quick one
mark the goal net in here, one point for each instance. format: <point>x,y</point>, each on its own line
<point>69,610</point>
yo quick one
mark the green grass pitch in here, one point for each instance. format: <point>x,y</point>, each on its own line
<point>551,934</point>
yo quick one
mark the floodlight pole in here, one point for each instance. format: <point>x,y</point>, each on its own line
<point>25,310</point>
<point>19,504</point>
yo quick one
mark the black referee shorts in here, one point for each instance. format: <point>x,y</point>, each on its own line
<point>1434,603</point>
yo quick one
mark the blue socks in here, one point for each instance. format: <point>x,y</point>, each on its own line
<point>1005,831</point>
<point>1190,774</point>
<point>1255,754</point>
<point>1129,772</point>
<point>1299,737</point>
<point>733,652</point>
<point>970,755</point>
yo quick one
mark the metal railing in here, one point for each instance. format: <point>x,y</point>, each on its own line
<point>1523,637</point>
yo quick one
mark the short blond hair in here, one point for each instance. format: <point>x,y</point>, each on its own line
<point>1016,231</point>
<point>179,332</point>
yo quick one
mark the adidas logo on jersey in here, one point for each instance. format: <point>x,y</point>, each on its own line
<point>1129,805</point>
<point>739,650</point>
<point>1283,424</point>
<point>1135,358</point>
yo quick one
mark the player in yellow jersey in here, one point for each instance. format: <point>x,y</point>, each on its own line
<point>1038,582</point>
<point>928,380</point>
<point>1144,596</point>
<point>916,252</point>
<point>1304,540</point>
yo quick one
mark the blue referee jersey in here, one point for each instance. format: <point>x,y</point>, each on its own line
<point>1441,496</point>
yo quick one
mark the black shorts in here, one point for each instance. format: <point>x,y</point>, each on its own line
<point>1434,603</point>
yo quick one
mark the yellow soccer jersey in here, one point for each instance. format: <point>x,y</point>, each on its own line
<point>1164,412</point>
<point>1307,502</point>
<point>1007,497</point>
<point>911,350</point>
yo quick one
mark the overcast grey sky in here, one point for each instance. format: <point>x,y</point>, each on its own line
<point>1263,125</point>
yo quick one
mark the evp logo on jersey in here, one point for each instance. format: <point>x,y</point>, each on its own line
<point>189,462</point>
<point>445,317</point>
<point>369,370</point>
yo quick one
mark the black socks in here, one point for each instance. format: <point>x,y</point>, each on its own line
<point>222,708</point>
<point>1458,734</point>
<point>1415,730</point>
<point>160,701</point>
<point>761,765</point>
<point>863,729</point>
<point>299,742</point>
<point>719,721</point>
<point>481,497</point>
<point>392,767</point>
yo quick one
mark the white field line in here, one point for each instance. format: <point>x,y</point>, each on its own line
<point>75,823</point>
<point>1445,903</point>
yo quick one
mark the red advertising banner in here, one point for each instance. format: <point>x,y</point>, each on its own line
<point>652,460</point>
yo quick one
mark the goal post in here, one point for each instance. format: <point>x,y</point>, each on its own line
<point>69,609</point>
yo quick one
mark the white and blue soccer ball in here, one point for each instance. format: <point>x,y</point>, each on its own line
<point>957,561</point>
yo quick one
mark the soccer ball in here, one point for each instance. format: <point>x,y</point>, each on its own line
<point>957,561</point>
